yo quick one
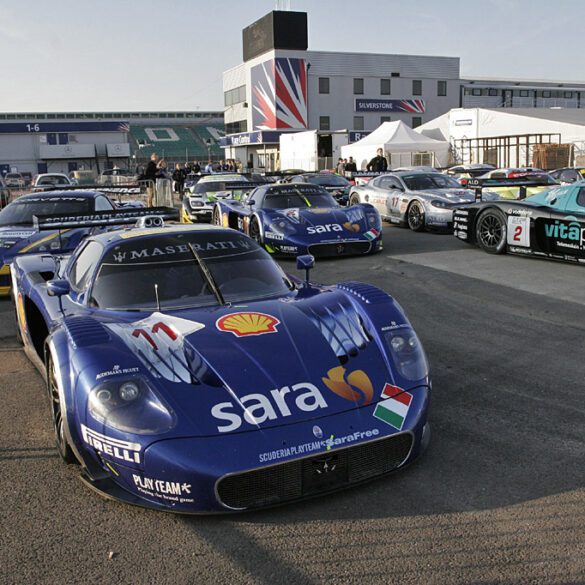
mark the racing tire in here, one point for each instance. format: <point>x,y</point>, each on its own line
<point>216,217</point>
<point>254,231</point>
<point>63,447</point>
<point>490,231</point>
<point>415,217</point>
<point>354,199</point>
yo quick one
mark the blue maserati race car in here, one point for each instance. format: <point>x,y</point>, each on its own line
<point>19,235</point>
<point>294,219</point>
<point>179,378</point>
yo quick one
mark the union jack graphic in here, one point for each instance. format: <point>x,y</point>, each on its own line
<point>413,106</point>
<point>279,98</point>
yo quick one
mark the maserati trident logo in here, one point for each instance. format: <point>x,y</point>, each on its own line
<point>325,465</point>
<point>120,257</point>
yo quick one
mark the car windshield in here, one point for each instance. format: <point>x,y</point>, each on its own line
<point>423,181</point>
<point>297,196</point>
<point>213,186</point>
<point>53,180</point>
<point>21,211</point>
<point>181,270</point>
<point>327,180</point>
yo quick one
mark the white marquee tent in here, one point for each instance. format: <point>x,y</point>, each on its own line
<point>401,143</point>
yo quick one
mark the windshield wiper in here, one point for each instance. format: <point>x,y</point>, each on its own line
<point>210,281</point>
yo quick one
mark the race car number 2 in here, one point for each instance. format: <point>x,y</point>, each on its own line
<point>519,231</point>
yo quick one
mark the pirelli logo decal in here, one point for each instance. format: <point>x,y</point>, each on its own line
<point>122,450</point>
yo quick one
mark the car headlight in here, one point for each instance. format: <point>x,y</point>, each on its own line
<point>282,226</point>
<point>373,220</point>
<point>130,406</point>
<point>195,203</point>
<point>438,203</point>
<point>407,354</point>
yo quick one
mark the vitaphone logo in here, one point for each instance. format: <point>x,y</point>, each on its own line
<point>567,234</point>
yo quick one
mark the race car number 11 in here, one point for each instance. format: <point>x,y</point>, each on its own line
<point>519,231</point>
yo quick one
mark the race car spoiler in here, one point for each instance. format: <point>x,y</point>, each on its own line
<point>102,218</point>
<point>521,182</point>
<point>120,189</point>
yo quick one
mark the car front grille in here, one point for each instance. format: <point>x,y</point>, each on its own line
<point>339,249</point>
<point>314,475</point>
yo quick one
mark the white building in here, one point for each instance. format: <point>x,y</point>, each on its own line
<point>281,87</point>
<point>506,137</point>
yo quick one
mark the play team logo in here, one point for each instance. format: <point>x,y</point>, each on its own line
<point>245,324</point>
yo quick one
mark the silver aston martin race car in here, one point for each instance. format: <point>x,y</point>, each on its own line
<point>417,199</point>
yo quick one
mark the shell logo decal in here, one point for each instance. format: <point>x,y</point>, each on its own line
<point>247,323</point>
<point>352,227</point>
<point>356,386</point>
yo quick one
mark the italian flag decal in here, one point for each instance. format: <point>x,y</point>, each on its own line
<point>394,409</point>
<point>372,234</point>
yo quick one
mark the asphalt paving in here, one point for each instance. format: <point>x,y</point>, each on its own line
<point>499,497</point>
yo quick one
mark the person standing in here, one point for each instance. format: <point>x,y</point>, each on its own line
<point>150,175</point>
<point>178,178</point>
<point>351,166</point>
<point>378,164</point>
<point>340,166</point>
<point>196,168</point>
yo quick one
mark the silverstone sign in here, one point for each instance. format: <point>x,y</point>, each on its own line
<point>378,105</point>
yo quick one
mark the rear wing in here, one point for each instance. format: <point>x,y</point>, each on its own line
<point>102,218</point>
<point>478,185</point>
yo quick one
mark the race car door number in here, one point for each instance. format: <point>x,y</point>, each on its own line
<point>519,231</point>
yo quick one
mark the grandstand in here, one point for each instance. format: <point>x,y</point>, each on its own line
<point>176,143</point>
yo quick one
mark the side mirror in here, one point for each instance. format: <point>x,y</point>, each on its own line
<point>58,288</point>
<point>251,202</point>
<point>306,262</point>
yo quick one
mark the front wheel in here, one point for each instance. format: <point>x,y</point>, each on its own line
<point>255,231</point>
<point>490,231</point>
<point>354,199</point>
<point>58,413</point>
<point>216,219</point>
<point>415,217</point>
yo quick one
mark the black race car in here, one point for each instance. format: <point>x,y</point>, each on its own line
<point>334,184</point>
<point>550,223</point>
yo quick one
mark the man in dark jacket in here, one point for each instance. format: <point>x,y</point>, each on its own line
<point>351,166</point>
<point>378,164</point>
<point>150,174</point>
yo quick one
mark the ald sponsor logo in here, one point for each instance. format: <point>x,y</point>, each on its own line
<point>567,234</point>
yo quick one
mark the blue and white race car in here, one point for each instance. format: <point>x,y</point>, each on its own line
<point>187,372</point>
<point>302,219</point>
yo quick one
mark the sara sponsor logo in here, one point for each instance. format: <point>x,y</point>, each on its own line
<point>324,229</point>
<point>355,386</point>
<point>327,444</point>
<point>167,490</point>
<point>247,323</point>
<point>566,234</point>
<point>258,408</point>
<point>122,450</point>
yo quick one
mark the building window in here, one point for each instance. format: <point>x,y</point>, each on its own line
<point>324,121</point>
<point>441,88</point>
<point>385,119</point>
<point>416,121</point>
<point>323,84</point>
<point>568,94</point>
<point>475,91</point>
<point>236,127</point>
<point>416,87</point>
<point>358,122</point>
<point>493,93</point>
<point>385,87</point>
<point>523,93</point>
<point>234,96</point>
<point>358,86</point>
<point>395,74</point>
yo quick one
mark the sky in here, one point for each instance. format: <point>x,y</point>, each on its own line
<point>112,55</point>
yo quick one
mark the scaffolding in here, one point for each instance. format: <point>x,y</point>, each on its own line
<point>502,151</point>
